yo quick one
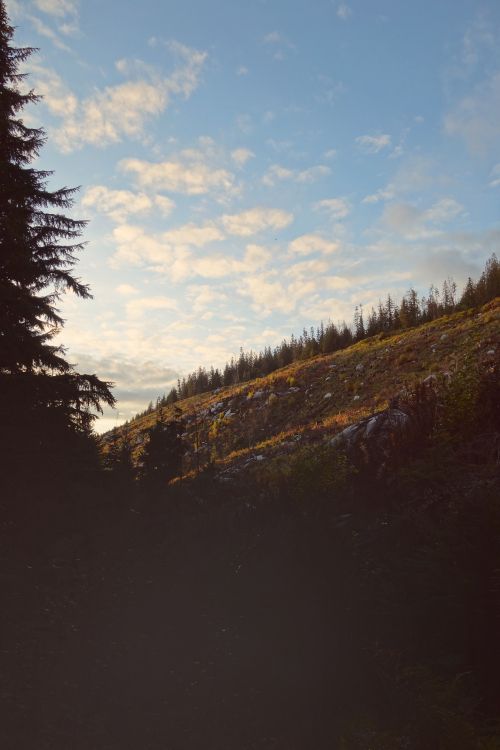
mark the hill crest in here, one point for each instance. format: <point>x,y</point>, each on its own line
<point>306,402</point>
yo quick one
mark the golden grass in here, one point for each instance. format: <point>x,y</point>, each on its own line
<point>360,380</point>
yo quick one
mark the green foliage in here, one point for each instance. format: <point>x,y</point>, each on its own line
<point>309,474</point>
<point>470,400</point>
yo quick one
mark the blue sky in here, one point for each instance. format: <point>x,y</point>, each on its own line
<point>252,167</point>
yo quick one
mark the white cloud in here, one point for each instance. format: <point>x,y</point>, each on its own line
<point>413,223</point>
<point>183,175</point>
<point>279,146</point>
<point>242,70</point>
<point>274,37</point>
<point>397,152</point>
<point>137,381</point>
<point>279,42</point>
<point>338,208</point>
<point>44,30</point>
<point>212,266</point>
<point>119,204</point>
<point>167,252</point>
<point>240,156</point>
<point>495,174</point>
<point>310,175</point>
<point>126,290</point>
<point>203,297</point>
<point>177,251</point>
<point>478,39</point>
<point>344,11</point>
<point>415,175</point>
<point>475,118</point>
<point>384,194</point>
<point>373,144</point>
<point>193,235</point>
<point>134,246</point>
<point>270,295</point>
<point>267,296</point>
<point>256,256</point>
<point>256,220</point>
<point>58,8</point>
<point>330,154</point>
<point>335,283</point>
<point>307,269</point>
<point>122,110</point>
<point>136,308</point>
<point>244,123</point>
<point>59,100</point>
<point>13,8</point>
<point>312,243</point>
<point>277,173</point>
<point>443,211</point>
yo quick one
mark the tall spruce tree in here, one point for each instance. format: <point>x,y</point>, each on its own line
<point>42,398</point>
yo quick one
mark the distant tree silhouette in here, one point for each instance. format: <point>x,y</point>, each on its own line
<point>42,398</point>
<point>162,455</point>
<point>119,457</point>
<point>386,319</point>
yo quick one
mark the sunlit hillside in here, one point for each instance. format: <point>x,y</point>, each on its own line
<point>243,425</point>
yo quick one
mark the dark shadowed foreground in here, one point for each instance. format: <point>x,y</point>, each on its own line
<point>168,631</point>
<point>208,620</point>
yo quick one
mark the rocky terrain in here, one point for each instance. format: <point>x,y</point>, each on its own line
<point>242,426</point>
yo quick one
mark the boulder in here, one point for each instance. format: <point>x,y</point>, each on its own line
<point>377,441</point>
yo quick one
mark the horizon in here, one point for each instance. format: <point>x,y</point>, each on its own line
<point>261,170</point>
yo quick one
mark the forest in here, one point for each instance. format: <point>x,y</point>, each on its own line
<point>388,318</point>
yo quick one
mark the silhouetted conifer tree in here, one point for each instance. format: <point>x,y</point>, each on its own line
<point>162,456</point>
<point>42,398</point>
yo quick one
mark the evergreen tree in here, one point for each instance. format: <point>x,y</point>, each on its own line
<point>162,456</point>
<point>42,398</point>
<point>469,297</point>
<point>119,458</point>
<point>359,325</point>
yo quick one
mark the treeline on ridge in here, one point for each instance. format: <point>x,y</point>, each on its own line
<point>389,317</point>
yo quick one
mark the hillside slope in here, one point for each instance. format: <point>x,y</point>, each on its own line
<point>312,400</point>
<point>237,616</point>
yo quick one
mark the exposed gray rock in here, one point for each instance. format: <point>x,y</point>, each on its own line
<point>377,440</point>
<point>385,422</point>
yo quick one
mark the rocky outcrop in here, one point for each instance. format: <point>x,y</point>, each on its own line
<point>380,441</point>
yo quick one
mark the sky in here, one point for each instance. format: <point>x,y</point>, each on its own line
<point>251,167</point>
